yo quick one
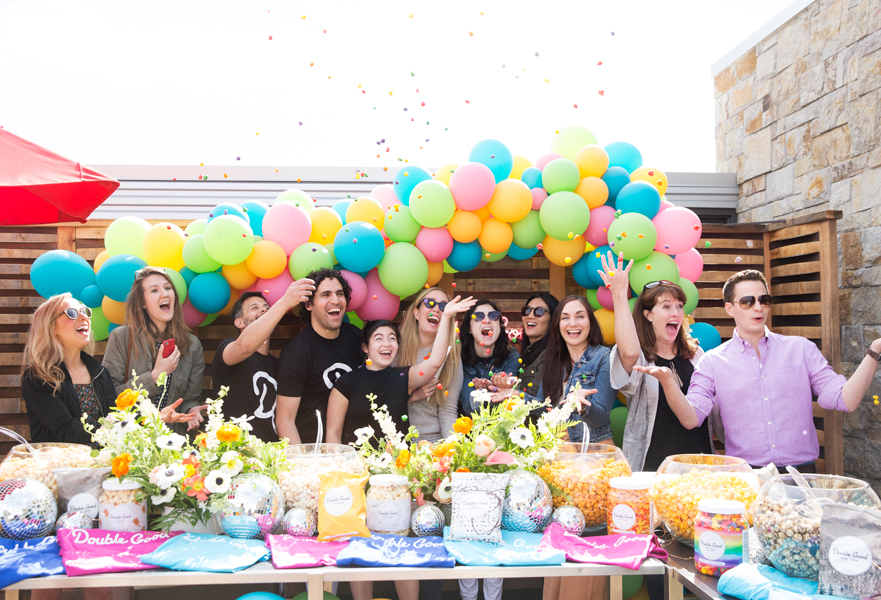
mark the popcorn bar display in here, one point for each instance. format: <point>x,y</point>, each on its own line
<point>20,463</point>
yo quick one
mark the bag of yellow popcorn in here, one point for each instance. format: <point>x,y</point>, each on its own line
<point>342,507</point>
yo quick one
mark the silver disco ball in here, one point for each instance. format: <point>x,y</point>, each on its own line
<point>299,522</point>
<point>528,503</point>
<point>427,520</point>
<point>27,509</point>
<point>254,505</point>
<point>570,517</point>
<point>75,520</point>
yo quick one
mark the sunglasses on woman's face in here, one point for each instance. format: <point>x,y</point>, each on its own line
<point>538,310</point>
<point>73,313</point>
<point>493,315</point>
<point>765,300</point>
<point>431,303</point>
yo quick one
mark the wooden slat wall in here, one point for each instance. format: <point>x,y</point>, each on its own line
<point>799,258</point>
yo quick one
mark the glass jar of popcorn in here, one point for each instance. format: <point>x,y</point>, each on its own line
<point>20,463</point>
<point>388,505</point>
<point>629,505</point>
<point>123,506</point>
<point>300,483</point>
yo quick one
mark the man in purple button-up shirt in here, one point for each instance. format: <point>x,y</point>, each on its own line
<point>764,383</point>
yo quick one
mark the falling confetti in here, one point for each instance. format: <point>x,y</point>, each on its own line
<point>707,244</point>
<point>470,34</point>
<point>575,105</point>
<point>601,93</point>
<point>300,122</point>
<point>599,64</point>
<point>536,55</point>
<point>411,16</point>
<point>738,260</point>
<point>311,64</point>
<point>225,175</point>
<point>238,158</point>
<point>412,74</point>
<point>468,102</point>
<point>270,37</point>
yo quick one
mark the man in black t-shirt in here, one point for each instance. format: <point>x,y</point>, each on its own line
<point>244,363</point>
<point>312,362</point>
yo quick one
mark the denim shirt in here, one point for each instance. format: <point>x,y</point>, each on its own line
<point>592,372</point>
<point>481,371</point>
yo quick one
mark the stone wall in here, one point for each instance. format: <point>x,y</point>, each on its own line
<point>798,118</point>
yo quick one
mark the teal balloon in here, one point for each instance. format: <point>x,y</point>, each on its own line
<point>99,324</point>
<point>618,419</point>
<point>527,231</point>
<point>531,177</point>
<point>624,155</point>
<point>465,257</point>
<point>91,296</point>
<point>209,293</point>
<point>495,155</point>
<point>707,336</point>
<point>359,246</point>
<point>616,178</point>
<point>491,257</point>
<point>400,226</point>
<point>406,179</point>
<point>561,175</point>
<point>591,294</point>
<point>196,258</point>
<point>657,266</point>
<point>309,257</point>
<point>227,208</point>
<point>255,210</point>
<point>692,296</point>
<point>631,584</point>
<point>228,239</point>
<point>117,274</point>
<point>518,253</point>
<point>624,236</point>
<point>564,213</point>
<point>639,197</point>
<point>403,269</point>
<point>60,271</point>
<point>180,284</point>
<point>188,274</point>
<point>341,206</point>
<point>593,263</point>
<point>261,596</point>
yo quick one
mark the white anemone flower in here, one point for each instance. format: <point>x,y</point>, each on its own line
<point>168,476</point>
<point>481,396</point>
<point>242,422</point>
<point>230,463</point>
<point>217,482</point>
<point>522,437</point>
<point>363,434</point>
<point>444,491</point>
<point>172,441</point>
<point>125,426</point>
<point>384,461</point>
<point>165,496</point>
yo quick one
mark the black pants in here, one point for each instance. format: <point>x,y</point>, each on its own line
<point>431,590</point>
<point>802,468</point>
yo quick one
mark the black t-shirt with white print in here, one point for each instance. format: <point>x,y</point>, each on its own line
<point>252,389</point>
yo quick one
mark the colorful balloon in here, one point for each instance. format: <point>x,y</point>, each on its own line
<point>408,178</point>
<point>511,201</point>
<point>496,236</point>
<point>209,292</point>
<point>435,273</point>
<point>606,320</point>
<point>99,260</point>
<point>707,336</point>
<point>256,210</point>
<point>624,155</point>
<point>691,264</point>
<point>267,260</point>
<point>639,197</point>
<point>367,210</point>
<point>126,236</point>
<point>163,244</point>
<point>591,295</point>
<point>432,204</point>
<point>113,311</point>
<point>228,208</point>
<point>325,223</point>
<point>434,243</point>
<point>180,284</point>
<point>91,296</point>
<point>531,177</point>
<point>444,173</point>
<point>238,276</point>
<point>527,231</point>
<point>564,215</point>
<point>117,274</point>
<point>588,275</point>
<point>604,297</point>
<point>594,191</point>
<point>192,317</point>
<point>520,164</point>
<point>100,325</point>
<point>380,303</point>
<point>465,226</point>
<point>616,178</point>
<point>657,266</point>
<point>403,270</point>
<point>228,240</point>
<point>298,198</point>
<point>385,195</point>
<point>400,226</point>
<point>543,160</point>
<point>558,251</point>
<point>359,247</point>
<point>472,186</point>
<point>273,289</point>
<point>592,161</point>
<point>539,195</point>
<point>495,155</point>
<point>654,176</point>
<point>518,253</point>
<point>570,140</point>
<point>287,225</point>
<point>598,230</point>
<point>309,257</point>
<point>341,206</point>
<point>691,295</point>
<point>560,175</point>
<point>492,257</point>
<point>679,230</point>
<point>196,227</point>
<point>59,271</point>
<point>465,257</point>
<point>632,235</point>
<point>359,289</point>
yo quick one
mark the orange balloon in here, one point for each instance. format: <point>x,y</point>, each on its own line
<point>511,201</point>
<point>267,260</point>
<point>99,260</point>
<point>483,213</point>
<point>465,226</point>
<point>557,251</point>
<point>496,236</point>
<point>592,161</point>
<point>325,223</point>
<point>238,276</point>
<point>656,177</point>
<point>622,398</point>
<point>232,300</point>
<point>606,319</point>
<point>113,310</point>
<point>594,191</point>
<point>366,209</point>
<point>435,273</point>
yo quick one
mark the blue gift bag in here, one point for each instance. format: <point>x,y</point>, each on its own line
<point>204,552</point>
<point>383,550</point>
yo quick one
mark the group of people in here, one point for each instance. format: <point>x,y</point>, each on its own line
<point>754,392</point>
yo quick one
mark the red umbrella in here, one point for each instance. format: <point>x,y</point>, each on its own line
<point>38,186</point>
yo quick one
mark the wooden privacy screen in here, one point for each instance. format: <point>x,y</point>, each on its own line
<point>799,257</point>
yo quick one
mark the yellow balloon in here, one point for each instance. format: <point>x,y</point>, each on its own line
<point>689,319</point>
<point>606,319</point>
<point>557,251</point>
<point>520,165</point>
<point>366,209</point>
<point>511,201</point>
<point>594,191</point>
<point>239,276</point>
<point>234,295</point>
<point>435,273</point>
<point>622,398</point>
<point>113,310</point>
<point>163,244</point>
<point>267,260</point>
<point>482,213</point>
<point>325,224</point>
<point>496,236</point>
<point>592,161</point>
<point>656,177</point>
<point>465,226</point>
<point>445,172</point>
<point>588,247</point>
<point>99,260</point>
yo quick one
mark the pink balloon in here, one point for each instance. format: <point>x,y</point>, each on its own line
<point>679,229</point>
<point>604,297</point>
<point>473,186</point>
<point>273,289</point>
<point>691,264</point>
<point>665,204</point>
<point>359,289</point>
<point>192,317</point>
<point>385,195</point>
<point>287,225</point>
<point>435,243</point>
<point>538,196</point>
<point>380,303</point>
<point>544,160</point>
<point>597,231</point>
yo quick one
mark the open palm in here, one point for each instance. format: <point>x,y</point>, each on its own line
<point>617,280</point>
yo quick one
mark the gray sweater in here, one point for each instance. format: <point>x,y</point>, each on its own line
<point>434,420</point>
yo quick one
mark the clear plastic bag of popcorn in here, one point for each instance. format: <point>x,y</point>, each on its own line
<point>388,505</point>
<point>301,484</point>
<point>48,457</point>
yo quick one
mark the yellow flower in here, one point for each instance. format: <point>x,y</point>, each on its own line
<point>403,459</point>
<point>510,404</point>
<point>463,425</point>
<point>229,433</point>
<point>126,399</point>
<point>120,464</point>
<point>189,471</point>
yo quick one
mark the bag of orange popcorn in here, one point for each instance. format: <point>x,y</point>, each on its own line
<point>342,507</point>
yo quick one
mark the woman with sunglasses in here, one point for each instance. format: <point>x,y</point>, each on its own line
<point>432,409</point>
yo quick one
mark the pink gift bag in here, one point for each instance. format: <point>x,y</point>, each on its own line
<point>290,552</point>
<point>89,551</point>
<point>622,550</point>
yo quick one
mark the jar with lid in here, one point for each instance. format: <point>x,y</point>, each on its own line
<point>123,506</point>
<point>719,531</point>
<point>388,505</point>
<point>630,505</point>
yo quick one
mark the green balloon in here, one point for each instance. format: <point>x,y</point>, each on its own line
<point>297,197</point>
<point>196,258</point>
<point>624,235</point>
<point>329,248</point>
<point>228,239</point>
<point>448,268</point>
<point>197,226</point>
<point>560,175</point>
<point>209,320</point>
<point>632,303</point>
<point>617,419</point>
<point>656,266</point>
<point>305,596</point>
<point>564,215</point>
<point>355,320</point>
<point>100,325</point>
<point>180,284</point>
<point>432,204</point>
<point>691,295</point>
<point>591,295</point>
<point>307,258</point>
<point>631,584</point>
<point>403,269</point>
<point>491,257</point>
<point>126,236</point>
<point>527,231</point>
<point>570,140</point>
<point>400,226</point>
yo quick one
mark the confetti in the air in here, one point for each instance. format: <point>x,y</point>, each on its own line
<point>470,34</point>
<point>599,64</point>
<point>601,93</point>
<point>270,37</point>
<point>238,158</point>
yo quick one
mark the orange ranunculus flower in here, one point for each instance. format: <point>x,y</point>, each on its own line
<point>463,425</point>
<point>403,459</point>
<point>120,464</point>
<point>510,404</point>
<point>202,440</point>
<point>126,399</point>
<point>442,450</point>
<point>229,433</point>
<point>463,470</point>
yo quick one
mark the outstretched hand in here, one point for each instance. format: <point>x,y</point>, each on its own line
<point>662,374</point>
<point>581,395</point>
<point>457,305</point>
<point>616,280</point>
<point>169,415</point>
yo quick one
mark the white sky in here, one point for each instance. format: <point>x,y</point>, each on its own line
<point>181,82</point>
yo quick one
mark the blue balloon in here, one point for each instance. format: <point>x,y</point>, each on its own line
<point>117,274</point>
<point>587,271</point>
<point>616,178</point>
<point>227,208</point>
<point>406,179</point>
<point>111,327</point>
<point>518,253</point>
<point>640,197</point>
<point>209,293</point>
<point>341,206</point>
<point>261,596</point>
<point>91,296</point>
<point>256,210</point>
<point>707,336</point>
<point>531,177</point>
<point>358,246</point>
<point>624,155</point>
<point>581,273</point>
<point>59,271</point>
<point>495,155</point>
<point>188,275</point>
<point>465,257</point>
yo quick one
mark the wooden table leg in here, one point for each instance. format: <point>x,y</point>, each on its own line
<point>316,586</point>
<point>616,587</point>
<point>673,590</point>
<point>11,594</point>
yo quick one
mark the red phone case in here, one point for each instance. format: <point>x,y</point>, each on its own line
<point>167,348</point>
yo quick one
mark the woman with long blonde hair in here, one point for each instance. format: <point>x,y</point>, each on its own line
<point>432,409</point>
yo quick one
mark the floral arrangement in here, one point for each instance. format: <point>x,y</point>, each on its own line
<point>189,478</point>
